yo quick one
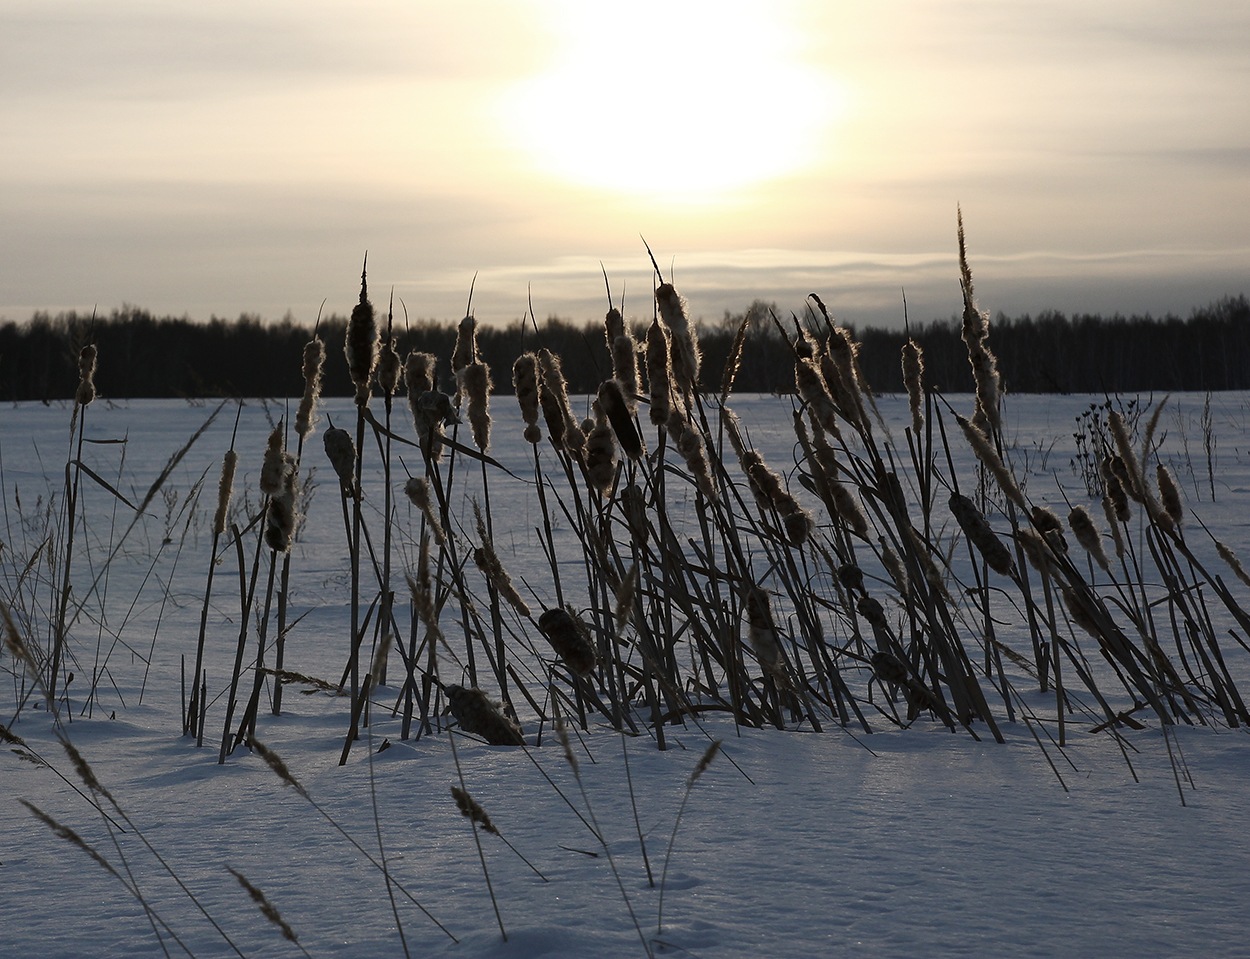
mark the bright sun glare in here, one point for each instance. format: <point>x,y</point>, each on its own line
<point>673,99</point>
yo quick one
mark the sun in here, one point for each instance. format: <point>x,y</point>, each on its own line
<point>672,99</point>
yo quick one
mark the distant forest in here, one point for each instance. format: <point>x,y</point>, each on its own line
<point>141,355</point>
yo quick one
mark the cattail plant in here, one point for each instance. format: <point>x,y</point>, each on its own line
<point>659,373</point>
<point>686,357</point>
<point>601,452</point>
<point>314,360</point>
<point>479,715</point>
<point>525,385</point>
<point>979,533</point>
<point>570,640</point>
<point>361,344</point>
<point>913,382</point>
<point>974,332</point>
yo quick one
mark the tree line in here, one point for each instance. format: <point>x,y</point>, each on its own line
<point>141,355</point>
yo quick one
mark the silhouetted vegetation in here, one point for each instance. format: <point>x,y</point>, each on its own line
<point>141,355</point>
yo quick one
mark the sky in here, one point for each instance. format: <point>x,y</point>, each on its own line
<point>215,159</point>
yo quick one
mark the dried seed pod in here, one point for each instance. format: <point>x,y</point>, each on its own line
<point>625,369</point>
<point>478,715</point>
<point>282,517</point>
<point>851,577</point>
<point>570,640</point>
<point>465,350</point>
<point>979,533</point>
<point>419,376</point>
<point>601,454</point>
<point>417,489</point>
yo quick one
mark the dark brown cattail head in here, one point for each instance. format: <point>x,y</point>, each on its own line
<point>361,344</point>
<point>979,533</point>
<point>600,453</point>
<point>616,408</point>
<point>465,350</point>
<point>613,326</point>
<point>762,629</point>
<point>570,639</point>
<point>282,517</point>
<point>478,715</point>
<point>341,452</point>
<point>659,373</point>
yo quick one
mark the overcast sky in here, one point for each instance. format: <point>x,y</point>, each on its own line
<point>227,157</point>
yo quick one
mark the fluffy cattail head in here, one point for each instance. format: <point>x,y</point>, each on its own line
<point>600,453</point>
<point>419,374</point>
<point>417,489</point>
<point>431,412</point>
<point>361,344</point>
<point>314,361</point>
<point>1087,535</point>
<point>275,466</point>
<point>685,347</point>
<point>465,350</point>
<point>762,629</point>
<point>225,490</point>
<point>613,326</point>
<point>282,517</point>
<point>1170,493</point>
<point>625,368</point>
<point>86,375</point>
<point>389,367</point>
<point>525,385</point>
<point>475,386</point>
<point>913,380</point>
<point>554,399</point>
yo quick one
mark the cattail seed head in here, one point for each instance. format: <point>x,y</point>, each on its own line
<point>417,489</point>
<point>276,465</point>
<point>913,381</point>
<point>685,346</point>
<point>282,517</point>
<point>615,406</point>
<point>342,455</point>
<point>361,344</point>
<point>812,389</point>
<point>314,361</point>
<point>989,457</point>
<point>613,326</point>
<point>659,373</point>
<point>1229,557</point>
<point>979,533</point>
<point>86,375</point>
<point>1170,493</point>
<point>465,350</point>
<point>472,810</point>
<point>525,385</point>
<point>225,491</point>
<point>431,413</point>
<point>554,399</point>
<point>762,629</point>
<point>478,715</point>
<point>570,639</point>
<point>475,385</point>
<point>601,453</point>
<point>625,369</point>
<point>419,376</point>
<point>1086,533</point>
<point>389,366</point>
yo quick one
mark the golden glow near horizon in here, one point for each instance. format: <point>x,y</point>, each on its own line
<point>673,100</point>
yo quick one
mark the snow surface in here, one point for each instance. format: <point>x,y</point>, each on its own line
<point>916,842</point>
